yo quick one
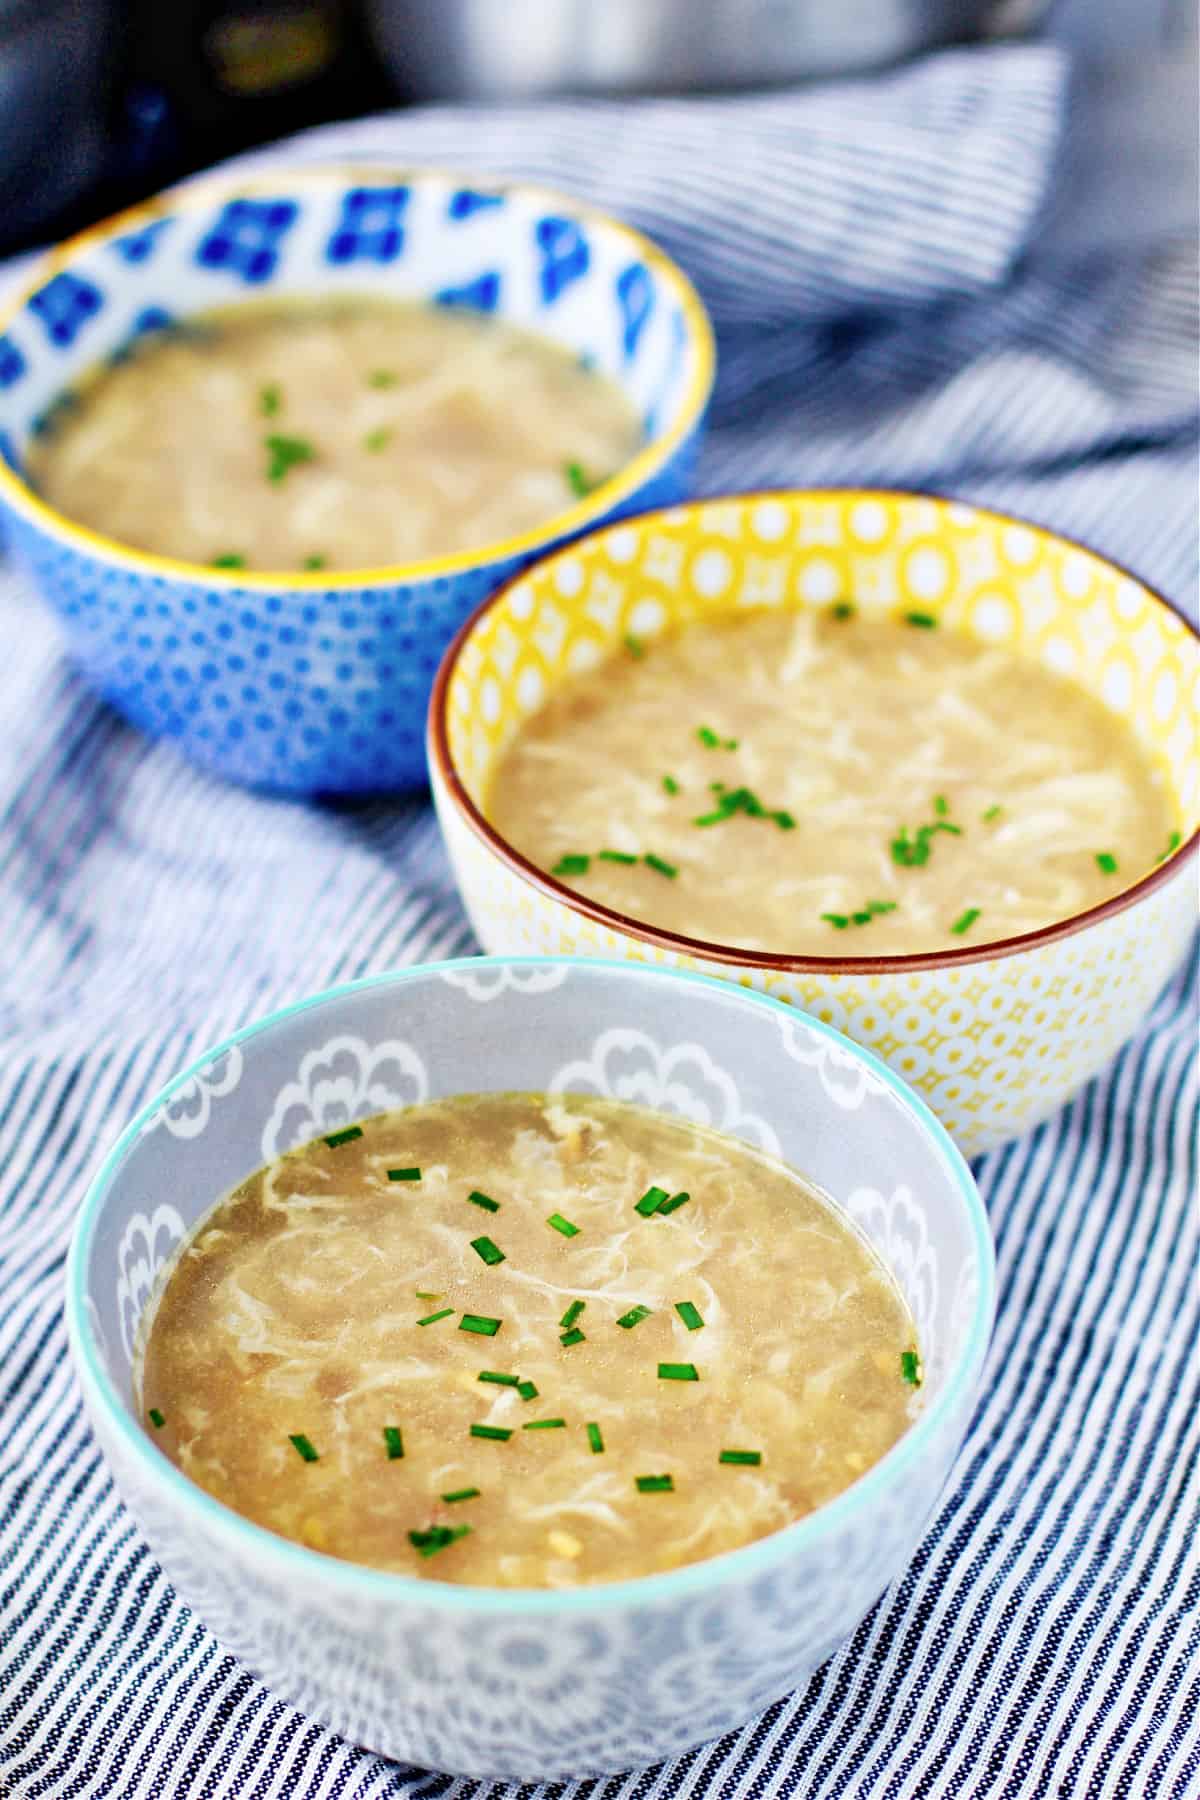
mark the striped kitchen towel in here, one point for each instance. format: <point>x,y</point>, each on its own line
<point>872,258</point>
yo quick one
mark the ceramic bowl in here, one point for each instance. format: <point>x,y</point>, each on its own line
<point>320,681</point>
<point>995,1037</point>
<point>537,1683</point>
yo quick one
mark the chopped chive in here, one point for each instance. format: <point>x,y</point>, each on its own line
<point>344,1137</point>
<point>746,1459</point>
<point>941,805</point>
<point>285,453</point>
<point>404,1174</point>
<point>544,1425</point>
<point>572,1313</point>
<point>689,1315</point>
<point>480,1324</point>
<point>634,1316</point>
<point>910,1367</point>
<point>673,1204</point>
<point>993,812</point>
<point>382,378</point>
<point>231,560</point>
<point>557,1223</point>
<point>655,1484</point>
<point>500,1380</point>
<point>861,918</point>
<point>316,561</point>
<point>378,439</point>
<point>156,1418</point>
<point>572,865</point>
<point>270,399</point>
<point>394,1442</point>
<point>842,609</point>
<point>965,921</point>
<point>783,819</point>
<point>458,1494</point>
<point>839,921</point>
<point>484,1200</point>
<point>423,1295</point>
<point>881,906</point>
<point>428,1543</point>
<point>634,645</point>
<point>527,1390</point>
<point>577,481</point>
<point>662,868</point>
<point>1106,862</point>
<point>670,785</point>
<point>677,1372</point>
<point>487,1251</point>
<point>500,1433</point>
<point>922,620</point>
<point>574,1336</point>
<point>303,1447</point>
<point>914,852</point>
<point>1173,843</point>
<point>650,1201</point>
<point>432,1318</point>
<point>617,856</point>
<point>708,737</point>
<point>594,1439</point>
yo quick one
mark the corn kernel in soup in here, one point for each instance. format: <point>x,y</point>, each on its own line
<point>333,436</point>
<point>521,1341</point>
<point>820,784</point>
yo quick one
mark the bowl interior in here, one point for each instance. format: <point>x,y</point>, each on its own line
<point>685,1045</point>
<point>1006,583</point>
<point>534,258</point>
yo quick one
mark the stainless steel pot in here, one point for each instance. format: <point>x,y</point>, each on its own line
<point>496,49</point>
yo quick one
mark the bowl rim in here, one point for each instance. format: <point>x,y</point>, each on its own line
<point>742,1563</point>
<point>198,191</point>
<point>443,770</point>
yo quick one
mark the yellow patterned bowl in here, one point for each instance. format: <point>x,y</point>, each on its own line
<point>995,1037</point>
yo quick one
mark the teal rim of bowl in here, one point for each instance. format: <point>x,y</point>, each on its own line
<point>744,1562</point>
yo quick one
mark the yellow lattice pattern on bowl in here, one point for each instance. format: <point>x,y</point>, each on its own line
<point>994,1042</point>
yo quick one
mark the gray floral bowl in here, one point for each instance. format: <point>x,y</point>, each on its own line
<point>532,1684</point>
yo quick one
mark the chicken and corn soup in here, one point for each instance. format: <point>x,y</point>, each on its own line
<point>820,784</point>
<point>334,436</point>
<point>527,1341</point>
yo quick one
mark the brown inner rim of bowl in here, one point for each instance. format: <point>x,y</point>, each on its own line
<point>729,954</point>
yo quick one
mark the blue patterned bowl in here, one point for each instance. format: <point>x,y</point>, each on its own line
<point>320,682</point>
<point>534,1684</point>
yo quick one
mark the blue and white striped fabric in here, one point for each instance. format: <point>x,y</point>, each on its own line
<point>866,254</point>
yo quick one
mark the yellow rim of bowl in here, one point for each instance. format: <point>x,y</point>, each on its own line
<point>441,762</point>
<point>189,196</point>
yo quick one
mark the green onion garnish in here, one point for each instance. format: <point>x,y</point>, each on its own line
<point>731,801</point>
<point>423,1295</point>
<point>941,805</point>
<point>965,921</point>
<point>713,741</point>
<point>344,1137</point>
<point>634,645</point>
<point>303,1447</point>
<point>577,481</point>
<point>1173,843</point>
<point>563,1226</point>
<point>270,399</point>
<point>922,620</point>
<point>484,1200</point>
<point>662,868</point>
<point>574,1336</point>
<point>527,1390</point>
<point>689,1315</point>
<point>436,1538</point>
<point>487,1251</point>
<point>842,609</point>
<point>404,1174</point>
<point>655,1484</point>
<point>993,812</point>
<point>914,852</point>
<point>594,1439</point>
<point>156,1418</point>
<point>230,560</point>
<point>285,453</point>
<point>617,856</point>
<point>543,1425</point>
<point>677,1372</point>
<point>572,1313</point>
<point>313,562</point>
<point>673,1204</point>
<point>378,439</point>
<point>480,1324</point>
<point>394,1442</point>
<point>572,865</point>
<point>500,1380</point>
<point>910,1367</point>
<point>1106,862</point>
<point>500,1433</point>
<point>460,1494</point>
<point>670,785</point>
<point>746,1459</point>
<point>839,921</point>
<point>433,1318</point>
<point>650,1201</point>
<point>382,378</point>
<point>633,1317</point>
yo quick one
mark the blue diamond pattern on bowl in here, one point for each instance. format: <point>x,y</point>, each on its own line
<point>371,225</point>
<point>247,237</point>
<point>65,305</point>
<point>565,255</point>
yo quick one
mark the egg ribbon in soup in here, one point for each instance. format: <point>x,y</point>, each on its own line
<point>522,1341</point>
